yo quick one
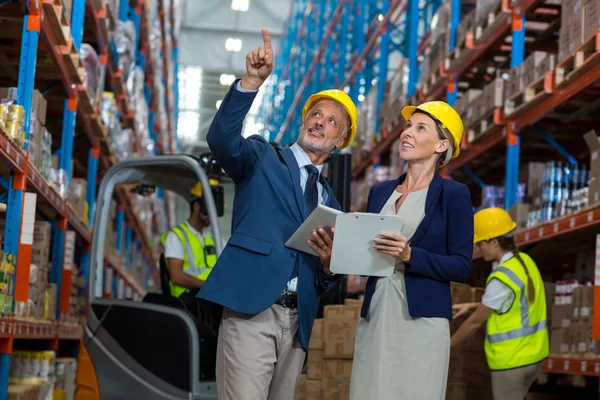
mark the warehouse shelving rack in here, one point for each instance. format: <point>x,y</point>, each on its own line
<point>343,44</point>
<point>58,49</point>
<point>287,91</point>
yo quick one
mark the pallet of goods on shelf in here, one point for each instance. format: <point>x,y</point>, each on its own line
<point>485,110</point>
<point>529,83</point>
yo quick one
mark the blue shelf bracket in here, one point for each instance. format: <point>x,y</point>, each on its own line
<point>561,150</point>
<point>413,44</point>
<point>68,134</point>
<point>473,176</point>
<point>92,177</point>
<point>384,49</point>
<point>512,137</point>
<point>454,21</point>
<point>27,64</point>
<point>77,19</point>
<point>120,223</point>
<point>84,264</point>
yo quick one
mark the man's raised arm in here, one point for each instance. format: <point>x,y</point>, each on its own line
<point>239,156</point>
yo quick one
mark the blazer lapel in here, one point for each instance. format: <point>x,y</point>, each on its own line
<point>288,157</point>
<point>384,195</point>
<point>435,188</point>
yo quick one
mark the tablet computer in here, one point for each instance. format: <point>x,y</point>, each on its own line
<point>321,217</point>
<point>353,252</point>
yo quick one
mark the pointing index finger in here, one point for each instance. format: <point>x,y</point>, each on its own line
<point>267,40</point>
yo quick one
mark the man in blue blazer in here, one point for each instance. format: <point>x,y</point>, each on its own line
<point>269,293</point>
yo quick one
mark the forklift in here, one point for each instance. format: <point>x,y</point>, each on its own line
<point>154,349</point>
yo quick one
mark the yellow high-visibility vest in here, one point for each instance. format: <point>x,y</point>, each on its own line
<point>198,257</point>
<point>518,337</point>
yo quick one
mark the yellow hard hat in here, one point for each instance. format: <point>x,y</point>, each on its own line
<point>197,189</point>
<point>345,101</point>
<point>446,116</point>
<point>491,223</point>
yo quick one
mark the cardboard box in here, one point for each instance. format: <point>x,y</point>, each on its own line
<point>562,315</point>
<point>520,214</point>
<point>335,389</point>
<point>477,294</point>
<point>353,302</point>
<point>493,95</point>
<point>461,293</point>
<point>593,142</point>
<point>315,362</point>
<point>583,303</point>
<point>332,311</point>
<point>339,337</point>
<point>316,338</point>
<point>591,18</point>
<point>533,174</point>
<point>338,369</point>
<point>558,340</point>
<point>313,389</point>
<point>22,391</point>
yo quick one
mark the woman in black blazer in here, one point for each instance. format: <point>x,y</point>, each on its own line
<point>403,341</point>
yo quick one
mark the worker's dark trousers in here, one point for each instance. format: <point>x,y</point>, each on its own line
<point>189,300</point>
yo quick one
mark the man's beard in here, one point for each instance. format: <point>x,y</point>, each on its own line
<point>315,145</point>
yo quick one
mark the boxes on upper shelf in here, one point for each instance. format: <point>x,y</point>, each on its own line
<point>593,142</point>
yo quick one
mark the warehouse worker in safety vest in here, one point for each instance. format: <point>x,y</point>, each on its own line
<point>514,306</point>
<point>190,252</point>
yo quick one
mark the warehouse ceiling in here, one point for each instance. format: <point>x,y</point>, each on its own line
<point>205,27</point>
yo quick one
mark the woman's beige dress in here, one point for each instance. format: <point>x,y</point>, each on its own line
<point>398,357</point>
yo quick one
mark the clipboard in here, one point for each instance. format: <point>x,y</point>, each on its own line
<point>353,252</point>
<point>321,217</point>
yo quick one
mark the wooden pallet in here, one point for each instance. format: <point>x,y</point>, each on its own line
<point>490,122</point>
<point>532,95</point>
<point>57,18</point>
<point>497,16</point>
<point>460,52</point>
<point>584,58</point>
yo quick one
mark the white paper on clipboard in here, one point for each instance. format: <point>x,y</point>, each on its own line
<point>321,217</point>
<point>353,252</point>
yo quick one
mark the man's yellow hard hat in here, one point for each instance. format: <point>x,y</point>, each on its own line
<point>345,101</point>
<point>445,115</point>
<point>491,223</point>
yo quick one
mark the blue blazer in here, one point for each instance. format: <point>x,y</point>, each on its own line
<point>442,246</point>
<point>255,266</point>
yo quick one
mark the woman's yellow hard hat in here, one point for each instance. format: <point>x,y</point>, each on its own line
<point>345,101</point>
<point>445,115</point>
<point>491,223</point>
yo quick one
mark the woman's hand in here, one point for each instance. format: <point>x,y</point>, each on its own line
<point>322,245</point>
<point>458,310</point>
<point>393,244</point>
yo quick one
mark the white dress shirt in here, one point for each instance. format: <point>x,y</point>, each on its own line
<point>497,295</point>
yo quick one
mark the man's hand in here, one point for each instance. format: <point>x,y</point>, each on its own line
<point>322,245</point>
<point>393,244</point>
<point>259,64</point>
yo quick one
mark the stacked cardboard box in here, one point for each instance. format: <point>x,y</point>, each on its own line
<point>571,321</point>
<point>593,142</point>
<point>468,374</point>
<point>330,354</point>
<point>580,19</point>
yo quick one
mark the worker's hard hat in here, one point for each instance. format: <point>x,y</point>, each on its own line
<point>491,223</point>
<point>196,190</point>
<point>444,115</point>
<point>345,101</point>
